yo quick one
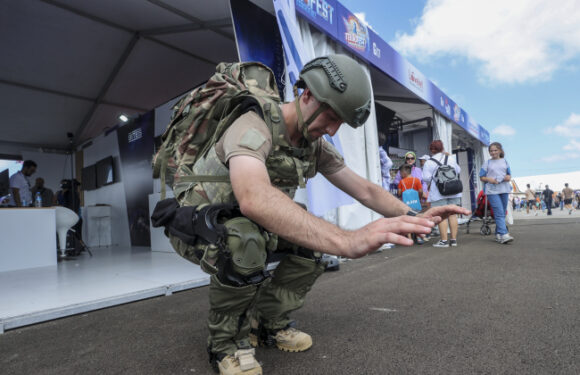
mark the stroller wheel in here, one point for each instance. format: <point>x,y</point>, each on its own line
<point>485,230</point>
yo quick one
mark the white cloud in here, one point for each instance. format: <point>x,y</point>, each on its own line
<point>514,41</point>
<point>561,157</point>
<point>504,130</point>
<point>574,145</point>
<point>569,128</point>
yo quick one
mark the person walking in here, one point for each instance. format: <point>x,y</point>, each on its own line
<point>436,199</point>
<point>531,200</point>
<point>568,195</point>
<point>496,175</point>
<point>548,194</point>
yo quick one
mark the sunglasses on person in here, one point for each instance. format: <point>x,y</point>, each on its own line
<point>410,158</point>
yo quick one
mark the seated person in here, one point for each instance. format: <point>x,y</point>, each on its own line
<point>46,194</point>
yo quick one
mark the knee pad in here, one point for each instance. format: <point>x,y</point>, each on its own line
<point>245,259</point>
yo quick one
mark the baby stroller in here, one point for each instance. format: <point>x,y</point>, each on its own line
<point>484,212</point>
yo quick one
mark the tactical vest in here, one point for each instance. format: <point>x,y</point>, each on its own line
<point>207,180</point>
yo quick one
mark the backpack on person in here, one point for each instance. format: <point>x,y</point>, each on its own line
<point>203,115</point>
<point>411,197</point>
<point>446,178</point>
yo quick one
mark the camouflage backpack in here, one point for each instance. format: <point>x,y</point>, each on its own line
<point>202,116</point>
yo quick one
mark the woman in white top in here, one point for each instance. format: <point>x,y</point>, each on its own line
<point>497,176</point>
<point>435,197</point>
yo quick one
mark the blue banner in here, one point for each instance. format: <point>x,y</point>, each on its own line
<point>334,19</point>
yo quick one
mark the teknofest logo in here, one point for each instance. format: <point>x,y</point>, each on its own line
<point>320,8</point>
<point>356,34</point>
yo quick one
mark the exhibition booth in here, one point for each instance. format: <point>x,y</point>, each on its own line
<point>131,259</point>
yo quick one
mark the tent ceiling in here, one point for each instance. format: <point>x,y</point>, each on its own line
<point>75,66</point>
<point>407,106</point>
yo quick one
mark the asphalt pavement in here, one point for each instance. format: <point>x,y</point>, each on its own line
<point>479,308</point>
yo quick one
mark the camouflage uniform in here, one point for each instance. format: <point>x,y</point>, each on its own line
<point>273,298</point>
<point>240,287</point>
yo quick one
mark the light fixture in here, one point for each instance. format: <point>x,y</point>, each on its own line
<point>123,118</point>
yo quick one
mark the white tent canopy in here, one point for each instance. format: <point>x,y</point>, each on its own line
<point>555,181</point>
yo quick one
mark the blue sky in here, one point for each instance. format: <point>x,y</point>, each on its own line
<point>512,65</point>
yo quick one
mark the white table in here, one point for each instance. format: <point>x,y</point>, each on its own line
<point>99,226</point>
<point>27,238</point>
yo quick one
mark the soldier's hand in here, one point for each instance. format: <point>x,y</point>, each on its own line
<point>443,212</point>
<point>388,230</point>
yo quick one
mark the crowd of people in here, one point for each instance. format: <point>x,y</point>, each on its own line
<point>546,200</point>
<point>495,175</point>
<point>416,186</point>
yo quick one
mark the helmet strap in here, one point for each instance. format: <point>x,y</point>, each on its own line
<point>303,125</point>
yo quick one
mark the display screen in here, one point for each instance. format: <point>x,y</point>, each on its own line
<point>89,178</point>
<point>105,171</point>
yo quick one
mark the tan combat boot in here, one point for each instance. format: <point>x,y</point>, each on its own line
<point>289,339</point>
<point>241,363</point>
<point>293,340</point>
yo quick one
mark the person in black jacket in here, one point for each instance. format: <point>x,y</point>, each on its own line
<point>547,193</point>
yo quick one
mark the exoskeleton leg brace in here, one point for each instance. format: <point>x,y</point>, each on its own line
<point>234,286</point>
<point>228,321</point>
<point>286,290</point>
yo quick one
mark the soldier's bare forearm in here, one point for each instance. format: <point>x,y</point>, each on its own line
<point>276,212</point>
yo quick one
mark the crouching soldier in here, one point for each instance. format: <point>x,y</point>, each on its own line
<point>236,184</point>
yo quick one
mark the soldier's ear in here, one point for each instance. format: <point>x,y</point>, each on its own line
<point>307,96</point>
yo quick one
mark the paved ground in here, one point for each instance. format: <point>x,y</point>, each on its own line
<point>480,308</point>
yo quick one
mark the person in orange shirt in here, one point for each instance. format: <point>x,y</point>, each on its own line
<point>412,198</point>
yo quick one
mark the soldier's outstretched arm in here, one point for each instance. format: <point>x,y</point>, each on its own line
<point>272,209</point>
<point>370,195</point>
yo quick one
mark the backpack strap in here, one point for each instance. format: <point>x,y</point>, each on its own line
<point>436,161</point>
<point>416,178</point>
<point>273,118</point>
<point>438,165</point>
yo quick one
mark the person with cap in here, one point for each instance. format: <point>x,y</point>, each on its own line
<point>417,172</point>
<point>423,159</point>
<point>265,160</point>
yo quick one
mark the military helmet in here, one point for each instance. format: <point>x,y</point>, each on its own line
<point>341,83</point>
